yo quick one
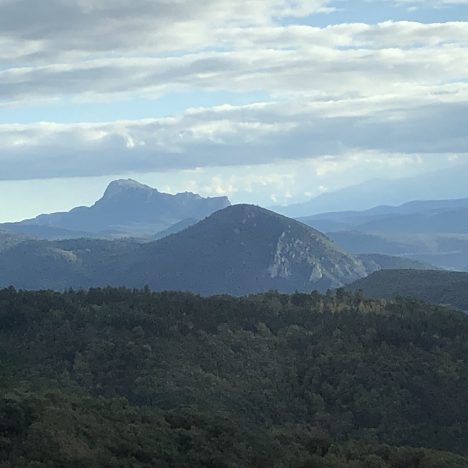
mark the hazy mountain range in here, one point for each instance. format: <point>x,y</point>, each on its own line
<point>434,232</point>
<point>449,216</point>
<point>444,184</point>
<point>136,236</point>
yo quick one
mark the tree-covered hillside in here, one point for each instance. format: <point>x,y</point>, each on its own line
<point>436,287</point>
<point>124,378</point>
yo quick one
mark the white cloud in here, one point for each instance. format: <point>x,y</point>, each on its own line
<point>432,3</point>
<point>58,29</point>
<point>355,58</point>
<point>236,136</point>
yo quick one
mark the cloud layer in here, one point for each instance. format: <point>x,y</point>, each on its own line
<point>228,135</point>
<point>391,88</point>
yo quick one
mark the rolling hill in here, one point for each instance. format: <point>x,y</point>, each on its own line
<point>436,287</point>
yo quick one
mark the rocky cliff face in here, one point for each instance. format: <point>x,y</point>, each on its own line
<point>308,253</point>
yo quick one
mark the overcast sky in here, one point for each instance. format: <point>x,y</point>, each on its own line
<point>267,101</point>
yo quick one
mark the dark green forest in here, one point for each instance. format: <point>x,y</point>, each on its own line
<point>436,287</point>
<point>129,378</point>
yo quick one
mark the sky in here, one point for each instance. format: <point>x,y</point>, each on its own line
<point>268,102</point>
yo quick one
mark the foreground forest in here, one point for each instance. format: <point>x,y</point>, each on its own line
<point>121,378</point>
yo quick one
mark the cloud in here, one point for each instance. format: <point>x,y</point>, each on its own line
<point>432,3</point>
<point>58,29</point>
<point>353,58</point>
<point>234,136</point>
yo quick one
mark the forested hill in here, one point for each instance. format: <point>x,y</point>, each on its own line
<point>124,378</point>
<point>436,287</point>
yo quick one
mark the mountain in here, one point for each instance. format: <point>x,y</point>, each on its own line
<point>444,184</point>
<point>127,208</point>
<point>244,249</point>
<point>436,287</point>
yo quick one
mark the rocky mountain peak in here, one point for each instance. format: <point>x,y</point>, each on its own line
<point>120,186</point>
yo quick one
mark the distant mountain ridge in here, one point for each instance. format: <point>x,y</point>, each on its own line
<point>415,216</point>
<point>447,183</point>
<point>430,231</point>
<point>127,208</point>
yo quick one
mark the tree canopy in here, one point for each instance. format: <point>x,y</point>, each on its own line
<point>118,377</point>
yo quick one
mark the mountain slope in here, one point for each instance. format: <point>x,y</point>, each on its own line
<point>9,240</point>
<point>128,208</point>
<point>437,287</point>
<point>80,263</point>
<point>175,228</point>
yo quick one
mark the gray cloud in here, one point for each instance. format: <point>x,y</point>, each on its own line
<point>57,29</point>
<point>228,136</point>
<point>301,68</point>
